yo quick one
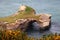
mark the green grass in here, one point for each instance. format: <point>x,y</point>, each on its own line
<point>28,13</point>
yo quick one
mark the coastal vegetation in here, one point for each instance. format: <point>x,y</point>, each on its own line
<point>19,35</point>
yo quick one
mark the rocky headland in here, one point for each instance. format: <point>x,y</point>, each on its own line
<point>24,18</point>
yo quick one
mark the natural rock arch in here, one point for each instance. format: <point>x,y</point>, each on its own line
<point>17,21</point>
<point>30,25</point>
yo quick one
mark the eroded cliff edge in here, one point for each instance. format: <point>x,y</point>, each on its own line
<point>24,18</point>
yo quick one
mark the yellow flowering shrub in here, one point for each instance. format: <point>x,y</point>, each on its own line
<point>11,35</point>
<point>19,35</point>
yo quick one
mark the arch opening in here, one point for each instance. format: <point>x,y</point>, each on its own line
<point>30,26</point>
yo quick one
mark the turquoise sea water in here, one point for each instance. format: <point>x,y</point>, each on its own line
<point>8,7</point>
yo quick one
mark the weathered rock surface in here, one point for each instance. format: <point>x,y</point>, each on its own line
<point>24,24</point>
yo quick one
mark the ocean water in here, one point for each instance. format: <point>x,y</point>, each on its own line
<point>9,7</point>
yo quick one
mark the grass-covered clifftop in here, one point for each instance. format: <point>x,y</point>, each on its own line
<point>28,13</point>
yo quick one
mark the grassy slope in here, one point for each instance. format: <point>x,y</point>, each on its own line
<point>28,13</point>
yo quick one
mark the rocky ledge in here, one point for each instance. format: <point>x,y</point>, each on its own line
<point>43,20</point>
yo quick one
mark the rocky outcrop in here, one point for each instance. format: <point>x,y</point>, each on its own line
<point>24,24</point>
